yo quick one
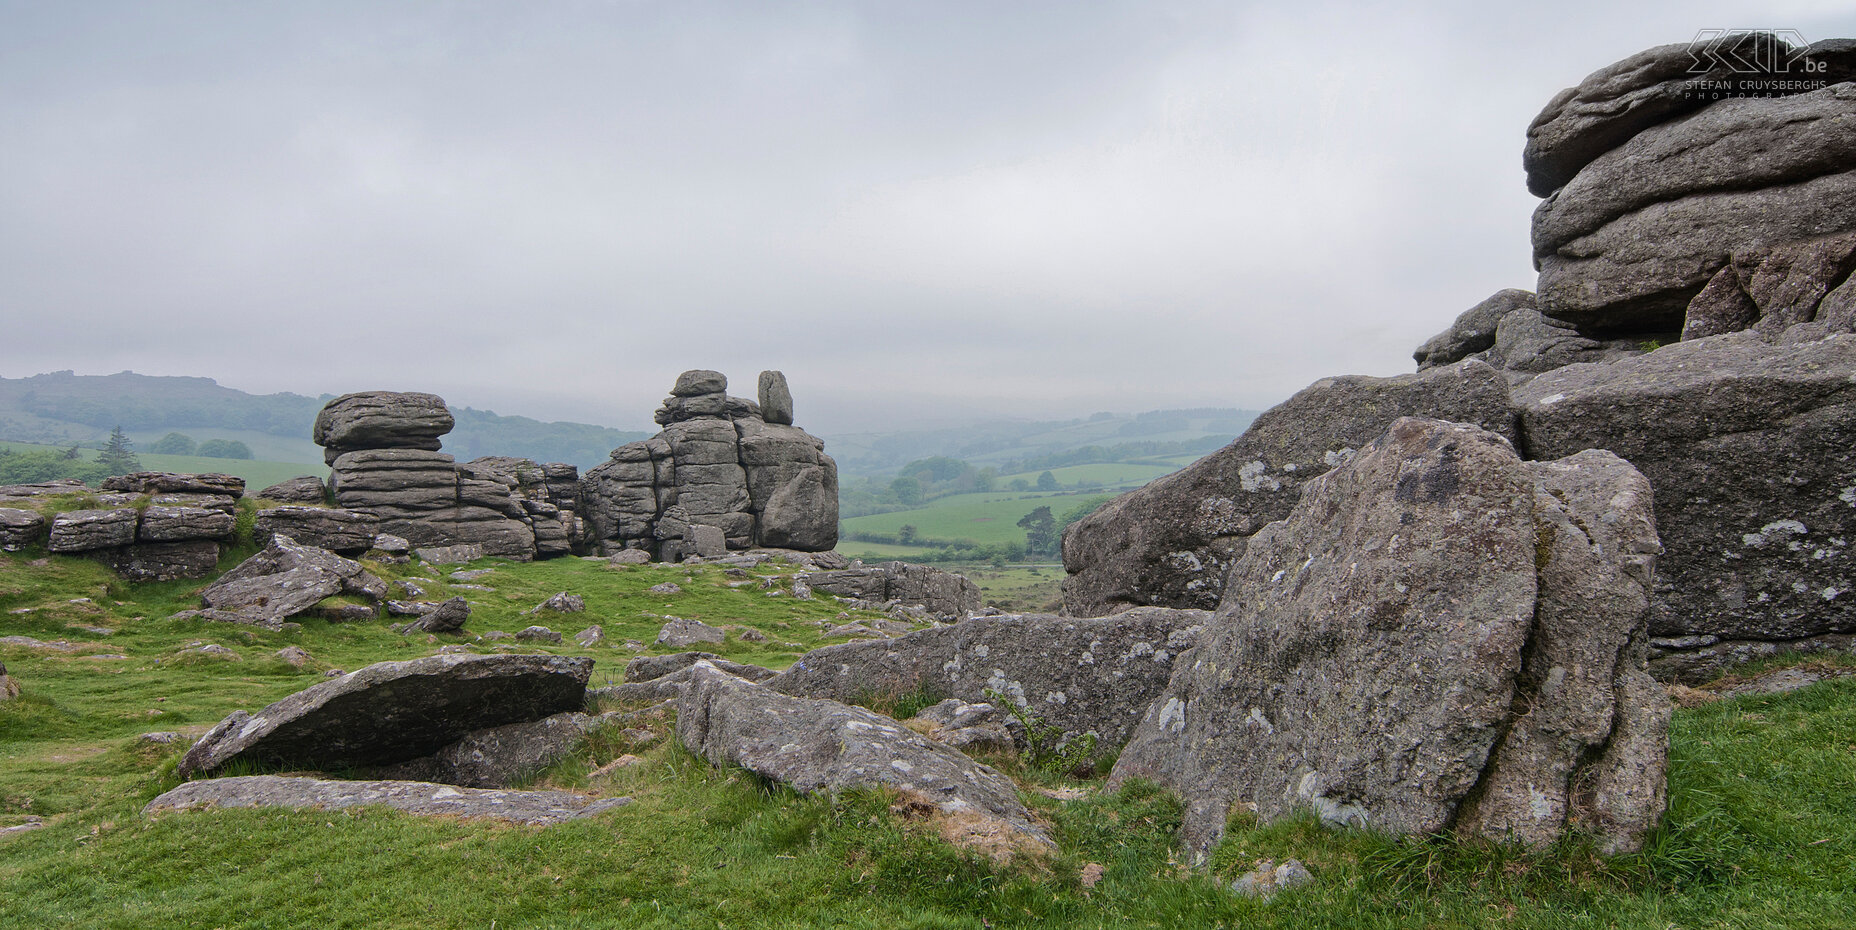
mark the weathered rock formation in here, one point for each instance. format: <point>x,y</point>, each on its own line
<point>383,448</point>
<point>305,490</point>
<point>818,745</point>
<point>1438,635</point>
<point>395,711</point>
<point>718,465</point>
<point>1724,220</point>
<point>152,526</point>
<point>1652,188</point>
<point>1080,676</point>
<point>943,595</point>
<point>1752,451</point>
<point>535,808</point>
<point>348,532</point>
<point>1171,542</point>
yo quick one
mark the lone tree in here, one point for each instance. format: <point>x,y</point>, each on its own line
<point>1047,482</point>
<point>118,457</point>
<point>1040,531</point>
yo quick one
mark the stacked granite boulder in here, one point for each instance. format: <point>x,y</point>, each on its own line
<point>1696,314</point>
<point>725,473</point>
<point>383,446</point>
<point>148,526</point>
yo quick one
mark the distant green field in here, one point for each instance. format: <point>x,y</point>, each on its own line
<point>1110,474</point>
<point>879,552</point>
<point>983,518</point>
<point>257,474</point>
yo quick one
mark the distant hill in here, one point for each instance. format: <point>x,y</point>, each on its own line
<point>1018,446</point>
<point>63,408</point>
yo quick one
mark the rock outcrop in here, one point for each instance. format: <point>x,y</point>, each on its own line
<point>150,526</point>
<point>348,532</point>
<point>534,808</point>
<point>1438,635</point>
<point>717,465</point>
<point>943,595</point>
<point>1724,220</point>
<point>383,449</point>
<point>1093,676</point>
<point>394,711</point>
<point>1171,543</point>
<point>1653,187</point>
<point>1751,448</point>
<point>818,745</point>
<point>305,490</point>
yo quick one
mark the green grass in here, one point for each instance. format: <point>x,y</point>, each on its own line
<point>983,518</point>
<point>1761,832</point>
<point>1111,474</point>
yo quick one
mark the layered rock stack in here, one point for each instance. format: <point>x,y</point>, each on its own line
<point>1696,314</point>
<point>383,449</point>
<point>725,473</point>
<point>148,526</point>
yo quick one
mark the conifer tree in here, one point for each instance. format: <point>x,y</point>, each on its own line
<point>118,457</point>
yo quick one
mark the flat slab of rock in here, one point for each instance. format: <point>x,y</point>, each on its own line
<point>818,745</point>
<point>87,530</point>
<point>1078,675</point>
<point>166,482</point>
<point>345,531</point>
<point>679,633</point>
<point>177,524</point>
<point>394,711</point>
<point>536,808</point>
<point>1438,635</point>
<point>285,579</point>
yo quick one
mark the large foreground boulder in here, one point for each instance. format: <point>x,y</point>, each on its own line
<point>535,808</point>
<point>1751,448</point>
<point>1172,542</point>
<point>394,711</point>
<point>1437,635</point>
<point>1093,676</point>
<point>817,745</point>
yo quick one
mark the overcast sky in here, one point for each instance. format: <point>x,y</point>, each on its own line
<point>916,210</point>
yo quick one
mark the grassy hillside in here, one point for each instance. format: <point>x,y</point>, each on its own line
<point>983,518</point>
<point>1760,834</point>
<point>62,408</point>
